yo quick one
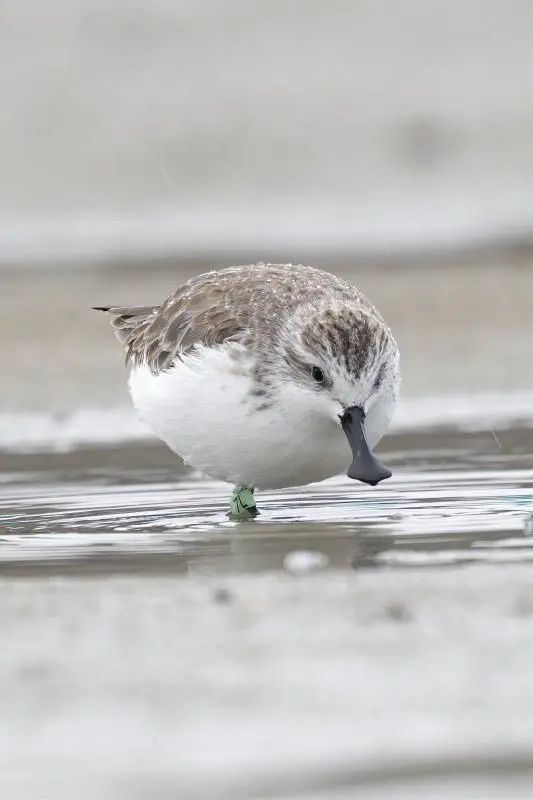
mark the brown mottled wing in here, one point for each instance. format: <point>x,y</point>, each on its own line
<point>232,304</point>
<point>198,313</point>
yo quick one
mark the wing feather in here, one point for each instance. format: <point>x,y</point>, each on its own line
<point>229,305</point>
<point>197,314</point>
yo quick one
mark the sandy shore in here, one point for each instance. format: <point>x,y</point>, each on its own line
<point>253,686</point>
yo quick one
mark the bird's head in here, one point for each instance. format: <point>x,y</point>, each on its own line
<point>341,362</point>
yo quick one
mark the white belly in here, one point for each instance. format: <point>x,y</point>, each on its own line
<point>202,409</point>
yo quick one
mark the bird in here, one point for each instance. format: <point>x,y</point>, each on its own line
<point>264,376</point>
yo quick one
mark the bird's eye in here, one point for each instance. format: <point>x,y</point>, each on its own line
<point>318,375</point>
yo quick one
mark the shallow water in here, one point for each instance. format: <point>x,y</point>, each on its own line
<point>455,497</point>
<point>154,648</point>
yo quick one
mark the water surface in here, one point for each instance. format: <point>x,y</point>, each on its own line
<point>455,497</point>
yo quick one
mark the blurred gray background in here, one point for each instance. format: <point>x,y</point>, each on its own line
<point>142,142</point>
<point>196,128</point>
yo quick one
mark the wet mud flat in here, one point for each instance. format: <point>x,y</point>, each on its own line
<point>153,648</point>
<point>397,683</point>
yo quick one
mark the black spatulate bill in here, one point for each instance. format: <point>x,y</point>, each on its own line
<point>365,466</point>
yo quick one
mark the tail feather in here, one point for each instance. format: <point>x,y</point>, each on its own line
<point>126,320</point>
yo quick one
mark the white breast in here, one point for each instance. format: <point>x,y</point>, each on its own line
<point>202,408</point>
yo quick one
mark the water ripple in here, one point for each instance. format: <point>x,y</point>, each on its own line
<point>448,513</point>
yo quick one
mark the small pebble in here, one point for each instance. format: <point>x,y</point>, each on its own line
<point>222,595</point>
<point>398,612</point>
<point>301,562</point>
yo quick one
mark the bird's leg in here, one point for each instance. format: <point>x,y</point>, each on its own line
<point>242,503</point>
